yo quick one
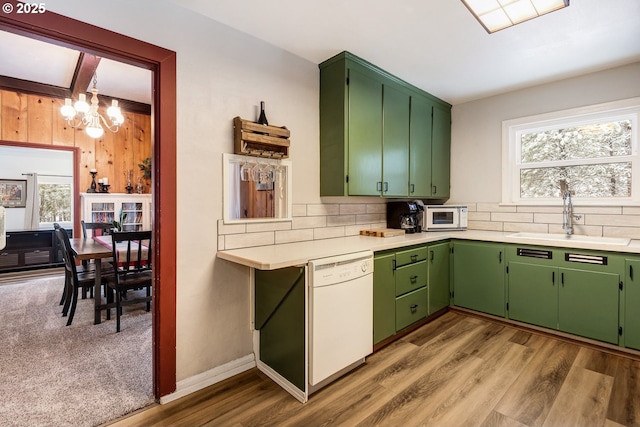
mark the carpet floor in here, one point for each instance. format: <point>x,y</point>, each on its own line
<point>78,375</point>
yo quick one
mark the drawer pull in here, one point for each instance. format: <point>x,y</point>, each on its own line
<point>414,308</point>
<point>414,258</point>
<point>414,279</point>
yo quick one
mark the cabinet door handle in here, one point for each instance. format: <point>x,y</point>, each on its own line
<point>562,279</point>
<point>413,188</point>
<point>435,189</point>
<point>379,186</point>
<point>414,258</point>
<point>414,279</point>
<point>631,272</point>
<point>500,258</point>
<point>386,186</point>
<point>414,308</point>
<point>553,278</point>
<point>431,255</point>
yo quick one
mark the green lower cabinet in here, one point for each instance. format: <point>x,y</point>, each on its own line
<point>588,304</point>
<point>439,275</point>
<point>533,294</point>
<point>478,277</point>
<point>410,308</point>
<point>632,304</point>
<point>384,297</point>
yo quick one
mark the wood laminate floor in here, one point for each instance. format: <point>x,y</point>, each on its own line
<point>458,370</point>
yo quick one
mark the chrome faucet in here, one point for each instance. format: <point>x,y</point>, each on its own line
<point>567,213</point>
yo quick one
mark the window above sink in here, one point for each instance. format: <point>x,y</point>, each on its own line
<point>593,150</point>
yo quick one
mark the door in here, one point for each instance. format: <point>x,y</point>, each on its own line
<point>533,294</point>
<point>395,143</point>
<point>438,285</point>
<point>478,277</point>
<point>632,305</point>
<point>420,148</point>
<point>588,304</point>
<point>441,152</point>
<point>365,135</point>
<point>384,297</point>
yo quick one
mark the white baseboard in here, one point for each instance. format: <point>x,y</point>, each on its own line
<point>212,376</point>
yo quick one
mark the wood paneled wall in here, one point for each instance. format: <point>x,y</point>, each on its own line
<point>36,119</point>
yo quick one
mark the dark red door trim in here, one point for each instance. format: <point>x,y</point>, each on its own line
<point>65,31</point>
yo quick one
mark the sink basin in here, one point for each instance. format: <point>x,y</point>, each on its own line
<point>573,238</point>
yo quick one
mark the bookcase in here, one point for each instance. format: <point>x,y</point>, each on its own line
<point>106,207</point>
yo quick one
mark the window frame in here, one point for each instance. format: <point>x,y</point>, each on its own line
<point>58,180</point>
<point>610,111</point>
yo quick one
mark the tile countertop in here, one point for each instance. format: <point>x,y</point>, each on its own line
<point>291,254</point>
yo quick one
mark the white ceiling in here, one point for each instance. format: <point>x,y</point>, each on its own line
<point>54,65</point>
<point>438,45</point>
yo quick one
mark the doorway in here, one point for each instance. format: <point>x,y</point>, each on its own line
<point>60,30</point>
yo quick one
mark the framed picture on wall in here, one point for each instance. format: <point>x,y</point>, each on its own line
<point>13,193</point>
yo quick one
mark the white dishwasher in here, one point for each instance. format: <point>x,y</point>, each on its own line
<point>341,314</point>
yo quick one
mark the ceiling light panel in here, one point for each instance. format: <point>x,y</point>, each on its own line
<point>495,15</point>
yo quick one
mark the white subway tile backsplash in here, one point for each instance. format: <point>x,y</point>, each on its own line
<point>309,222</point>
<point>268,226</point>
<point>289,236</point>
<point>246,240</point>
<point>335,220</point>
<point>511,217</point>
<point>353,209</point>
<point>326,209</point>
<point>328,232</point>
<point>329,220</point>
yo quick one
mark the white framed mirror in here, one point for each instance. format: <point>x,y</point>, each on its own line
<point>256,189</point>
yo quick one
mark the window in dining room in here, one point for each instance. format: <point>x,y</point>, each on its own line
<point>56,195</point>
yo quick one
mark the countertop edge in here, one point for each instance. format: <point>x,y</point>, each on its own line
<point>273,257</point>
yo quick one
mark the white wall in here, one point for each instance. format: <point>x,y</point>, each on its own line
<point>476,131</point>
<point>221,73</point>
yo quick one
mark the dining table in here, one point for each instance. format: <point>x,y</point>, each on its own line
<point>90,249</point>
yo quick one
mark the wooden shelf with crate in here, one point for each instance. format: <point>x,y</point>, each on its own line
<point>254,139</point>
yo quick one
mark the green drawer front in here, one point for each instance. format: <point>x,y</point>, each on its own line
<point>411,256</point>
<point>411,277</point>
<point>410,308</point>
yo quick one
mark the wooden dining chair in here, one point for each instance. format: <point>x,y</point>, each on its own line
<point>132,270</point>
<point>75,280</point>
<point>97,228</point>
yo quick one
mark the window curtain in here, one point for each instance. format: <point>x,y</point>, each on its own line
<point>32,214</point>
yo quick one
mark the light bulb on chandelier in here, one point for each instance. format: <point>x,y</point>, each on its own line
<point>83,114</point>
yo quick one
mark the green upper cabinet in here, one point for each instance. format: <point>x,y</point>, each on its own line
<point>420,147</point>
<point>441,153</point>
<point>395,142</point>
<point>376,134</point>
<point>364,134</point>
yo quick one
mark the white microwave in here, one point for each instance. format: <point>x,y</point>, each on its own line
<point>445,217</point>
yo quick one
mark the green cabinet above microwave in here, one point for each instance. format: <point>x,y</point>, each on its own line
<point>380,136</point>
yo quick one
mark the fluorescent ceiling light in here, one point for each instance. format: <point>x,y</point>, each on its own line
<point>496,15</point>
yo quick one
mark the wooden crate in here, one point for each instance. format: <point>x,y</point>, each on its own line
<point>254,139</point>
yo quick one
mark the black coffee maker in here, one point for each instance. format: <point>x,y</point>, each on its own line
<point>406,216</point>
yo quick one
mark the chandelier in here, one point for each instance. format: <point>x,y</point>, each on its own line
<point>83,114</point>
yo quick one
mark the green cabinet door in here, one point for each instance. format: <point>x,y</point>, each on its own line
<point>365,134</point>
<point>384,297</point>
<point>438,283</point>
<point>395,142</point>
<point>533,294</point>
<point>441,152</point>
<point>632,304</point>
<point>588,304</point>
<point>420,147</point>
<point>478,277</point>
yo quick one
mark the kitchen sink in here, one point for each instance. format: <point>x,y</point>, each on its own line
<point>573,238</point>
